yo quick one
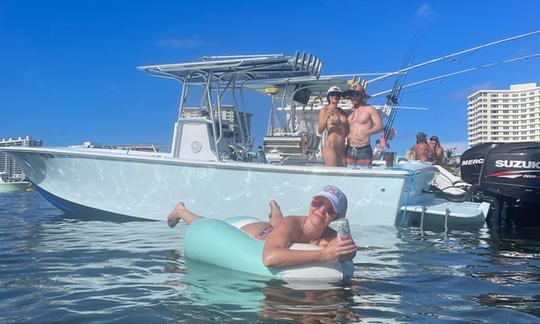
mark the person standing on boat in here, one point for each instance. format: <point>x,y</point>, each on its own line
<point>334,121</point>
<point>437,152</point>
<point>422,151</point>
<point>363,121</point>
<point>329,204</point>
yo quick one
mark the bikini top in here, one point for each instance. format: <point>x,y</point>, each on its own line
<point>335,119</point>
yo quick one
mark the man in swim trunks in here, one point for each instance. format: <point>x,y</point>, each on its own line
<point>326,206</point>
<point>364,121</point>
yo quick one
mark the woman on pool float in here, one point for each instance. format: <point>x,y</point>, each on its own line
<point>281,232</point>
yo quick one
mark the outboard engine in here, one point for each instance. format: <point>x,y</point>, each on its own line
<point>507,175</point>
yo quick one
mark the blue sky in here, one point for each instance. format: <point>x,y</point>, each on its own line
<point>69,73</point>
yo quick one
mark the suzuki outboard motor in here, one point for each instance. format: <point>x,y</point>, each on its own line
<point>508,176</point>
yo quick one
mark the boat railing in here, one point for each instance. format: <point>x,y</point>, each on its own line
<point>142,148</point>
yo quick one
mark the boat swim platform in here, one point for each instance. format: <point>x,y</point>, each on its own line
<point>439,212</point>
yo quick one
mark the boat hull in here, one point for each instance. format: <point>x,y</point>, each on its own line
<point>148,187</point>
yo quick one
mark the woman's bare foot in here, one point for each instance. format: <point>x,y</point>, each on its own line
<point>180,212</point>
<point>276,216</point>
<point>176,214</point>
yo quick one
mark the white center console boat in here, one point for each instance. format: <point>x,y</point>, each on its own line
<point>210,168</point>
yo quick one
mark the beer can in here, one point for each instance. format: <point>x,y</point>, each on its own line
<point>342,228</point>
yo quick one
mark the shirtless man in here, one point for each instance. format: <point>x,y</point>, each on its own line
<point>281,232</point>
<point>333,119</point>
<point>422,151</point>
<point>364,121</point>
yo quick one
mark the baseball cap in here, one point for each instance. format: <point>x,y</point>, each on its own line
<point>336,197</point>
<point>333,89</point>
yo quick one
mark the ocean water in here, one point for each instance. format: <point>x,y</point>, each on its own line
<point>57,268</point>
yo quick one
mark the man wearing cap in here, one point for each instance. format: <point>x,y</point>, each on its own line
<point>363,121</point>
<point>333,120</point>
<point>422,151</point>
<point>329,204</point>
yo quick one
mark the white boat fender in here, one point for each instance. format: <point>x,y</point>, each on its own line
<point>219,243</point>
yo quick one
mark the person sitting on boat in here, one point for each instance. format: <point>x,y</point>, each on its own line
<point>281,232</point>
<point>334,121</point>
<point>364,121</point>
<point>437,152</point>
<point>422,151</point>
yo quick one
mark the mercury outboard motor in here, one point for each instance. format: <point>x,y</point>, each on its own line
<point>507,175</point>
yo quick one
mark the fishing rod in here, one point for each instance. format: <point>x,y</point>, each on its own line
<point>485,66</point>
<point>393,98</point>
<point>454,55</point>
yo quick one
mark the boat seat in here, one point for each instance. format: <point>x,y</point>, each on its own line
<point>286,144</point>
<point>193,139</point>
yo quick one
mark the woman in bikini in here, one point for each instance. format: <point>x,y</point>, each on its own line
<point>334,121</point>
<point>281,232</point>
<point>437,152</point>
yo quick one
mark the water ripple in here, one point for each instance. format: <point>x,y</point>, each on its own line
<point>58,268</point>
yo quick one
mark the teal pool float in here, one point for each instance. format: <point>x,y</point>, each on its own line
<point>221,244</point>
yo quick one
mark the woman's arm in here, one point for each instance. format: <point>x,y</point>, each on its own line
<point>345,121</point>
<point>440,154</point>
<point>321,123</point>
<point>276,251</point>
<point>330,238</point>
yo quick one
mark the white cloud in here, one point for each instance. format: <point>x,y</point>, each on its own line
<point>465,92</point>
<point>181,42</point>
<point>425,11</point>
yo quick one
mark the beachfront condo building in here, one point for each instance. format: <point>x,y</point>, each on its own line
<point>506,116</point>
<point>8,167</point>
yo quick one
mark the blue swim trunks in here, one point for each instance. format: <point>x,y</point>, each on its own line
<point>358,157</point>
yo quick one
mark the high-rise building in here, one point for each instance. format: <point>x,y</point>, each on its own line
<point>507,116</point>
<point>8,166</point>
